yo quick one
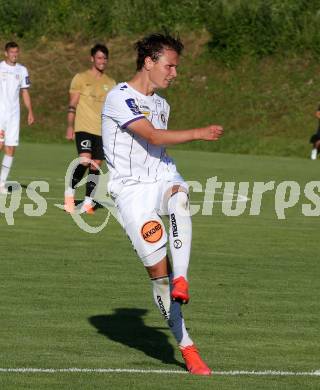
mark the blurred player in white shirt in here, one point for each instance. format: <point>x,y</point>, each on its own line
<point>13,78</point>
<point>145,183</point>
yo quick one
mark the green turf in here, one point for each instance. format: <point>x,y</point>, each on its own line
<point>73,299</point>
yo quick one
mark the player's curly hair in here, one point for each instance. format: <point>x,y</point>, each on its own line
<point>153,45</point>
<point>99,47</point>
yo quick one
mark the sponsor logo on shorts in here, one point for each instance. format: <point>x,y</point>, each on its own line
<point>174,225</point>
<point>177,244</point>
<point>133,107</point>
<point>162,309</point>
<point>152,231</point>
<point>85,144</point>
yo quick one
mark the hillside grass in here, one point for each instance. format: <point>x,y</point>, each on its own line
<point>266,106</point>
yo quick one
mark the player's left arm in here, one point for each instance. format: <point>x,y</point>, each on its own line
<point>27,102</point>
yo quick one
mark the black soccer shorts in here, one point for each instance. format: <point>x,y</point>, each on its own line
<point>89,143</point>
<point>315,137</point>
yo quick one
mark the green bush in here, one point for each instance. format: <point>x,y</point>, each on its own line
<point>238,28</point>
<point>91,18</point>
<point>20,17</point>
<point>262,27</point>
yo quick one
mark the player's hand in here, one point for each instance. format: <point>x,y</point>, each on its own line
<point>30,118</point>
<point>318,114</point>
<point>210,133</point>
<point>70,133</point>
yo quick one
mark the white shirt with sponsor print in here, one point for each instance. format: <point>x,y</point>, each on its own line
<point>12,79</point>
<point>131,158</point>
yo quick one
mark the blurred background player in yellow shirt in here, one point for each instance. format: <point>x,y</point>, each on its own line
<point>87,92</point>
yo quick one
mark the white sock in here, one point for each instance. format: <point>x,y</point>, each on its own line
<point>69,191</point>
<point>88,200</point>
<point>170,310</point>
<point>5,168</point>
<point>180,233</point>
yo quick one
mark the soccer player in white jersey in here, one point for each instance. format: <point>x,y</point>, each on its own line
<point>13,78</point>
<point>145,184</point>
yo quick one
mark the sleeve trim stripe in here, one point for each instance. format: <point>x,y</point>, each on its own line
<point>132,120</point>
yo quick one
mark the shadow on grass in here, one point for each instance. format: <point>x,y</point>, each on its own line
<point>126,326</point>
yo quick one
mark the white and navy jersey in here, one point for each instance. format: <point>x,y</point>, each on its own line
<point>130,157</point>
<point>12,79</point>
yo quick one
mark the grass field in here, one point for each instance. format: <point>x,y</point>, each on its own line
<point>73,299</point>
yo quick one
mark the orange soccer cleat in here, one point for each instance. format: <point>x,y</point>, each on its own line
<point>69,205</point>
<point>88,208</point>
<point>180,291</point>
<point>195,365</point>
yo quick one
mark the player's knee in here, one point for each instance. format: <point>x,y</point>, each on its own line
<point>95,165</point>
<point>85,163</point>
<point>1,139</point>
<point>9,150</point>
<point>153,262</point>
<point>179,202</point>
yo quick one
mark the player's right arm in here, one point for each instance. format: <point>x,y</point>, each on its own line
<point>122,109</point>
<point>73,102</point>
<point>74,97</point>
<point>154,136</point>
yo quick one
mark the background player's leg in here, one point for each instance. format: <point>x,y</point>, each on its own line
<point>315,150</point>
<point>6,166</point>
<point>315,140</point>
<point>77,175</point>
<point>92,182</point>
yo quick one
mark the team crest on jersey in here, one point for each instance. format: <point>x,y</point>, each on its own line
<point>163,117</point>
<point>133,106</point>
<point>152,231</point>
